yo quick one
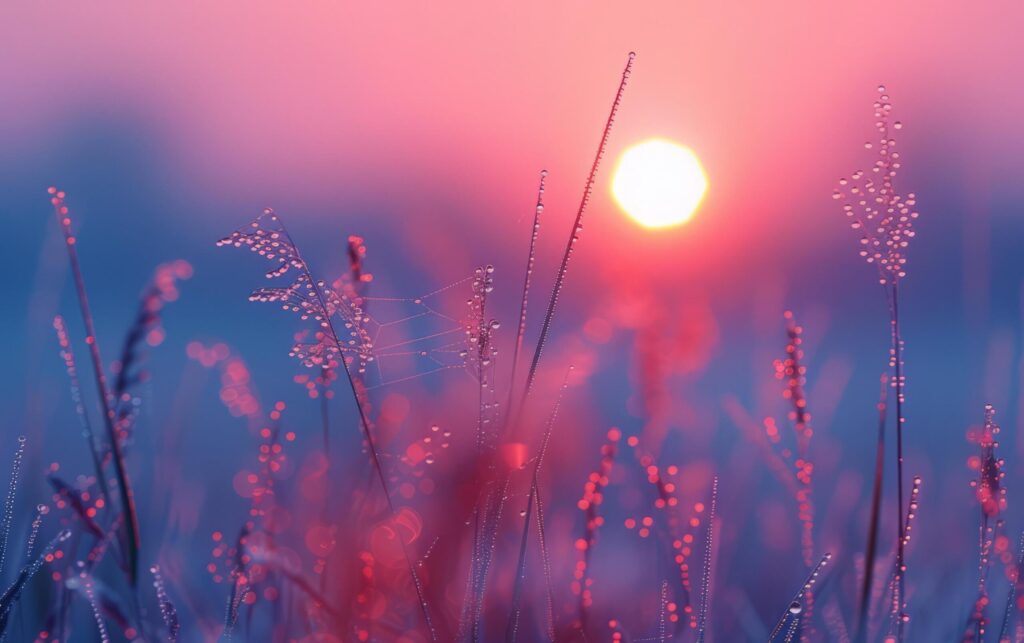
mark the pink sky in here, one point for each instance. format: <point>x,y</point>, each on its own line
<point>445,114</point>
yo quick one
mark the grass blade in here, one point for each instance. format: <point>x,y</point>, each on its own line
<point>131,524</point>
<point>577,227</point>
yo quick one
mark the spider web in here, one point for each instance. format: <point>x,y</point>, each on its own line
<point>405,338</point>
<point>412,337</point>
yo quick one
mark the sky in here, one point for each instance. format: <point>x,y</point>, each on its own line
<point>423,128</point>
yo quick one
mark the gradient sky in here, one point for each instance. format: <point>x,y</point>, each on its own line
<point>423,128</point>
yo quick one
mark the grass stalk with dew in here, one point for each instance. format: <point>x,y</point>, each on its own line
<point>73,499</point>
<point>37,523</point>
<point>131,543</point>
<point>991,495</point>
<point>709,542</point>
<point>481,356</point>
<point>884,219</point>
<point>662,606</point>
<point>531,259</point>
<point>145,330</point>
<point>478,584</point>
<point>589,503</point>
<point>9,499</point>
<point>355,283</point>
<point>512,629</point>
<point>794,612</point>
<point>577,228</point>
<point>168,612</point>
<point>545,559</point>
<point>68,355</point>
<point>1012,603</point>
<point>10,597</point>
<point>897,610</point>
<point>793,373</point>
<point>311,298</point>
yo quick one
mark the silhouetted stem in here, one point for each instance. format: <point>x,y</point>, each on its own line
<point>124,487</point>
<point>876,504</point>
<point>900,527</point>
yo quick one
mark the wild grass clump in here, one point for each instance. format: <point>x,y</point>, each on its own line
<point>355,530</point>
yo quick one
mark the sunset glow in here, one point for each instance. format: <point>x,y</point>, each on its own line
<point>659,183</point>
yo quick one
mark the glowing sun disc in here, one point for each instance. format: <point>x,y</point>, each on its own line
<point>659,183</point>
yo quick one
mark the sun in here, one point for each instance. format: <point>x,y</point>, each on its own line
<point>659,183</point>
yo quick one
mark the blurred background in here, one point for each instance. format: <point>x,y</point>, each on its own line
<point>423,129</point>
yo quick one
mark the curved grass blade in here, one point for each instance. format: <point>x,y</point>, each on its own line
<point>167,610</point>
<point>145,329</point>
<point>12,594</point>
<point>68,355</point>
<point>74,500</point>
<point>796,608</point>
<point>12,493</point>
<point>132,543</point>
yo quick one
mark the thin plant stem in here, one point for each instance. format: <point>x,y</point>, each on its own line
<point>876,504</point>
<point>897,342</point>
<point>531,258</point>
<point>708,552</point>
<point>577,227</point>
<point>512,628</point>
<point>131,524</point>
